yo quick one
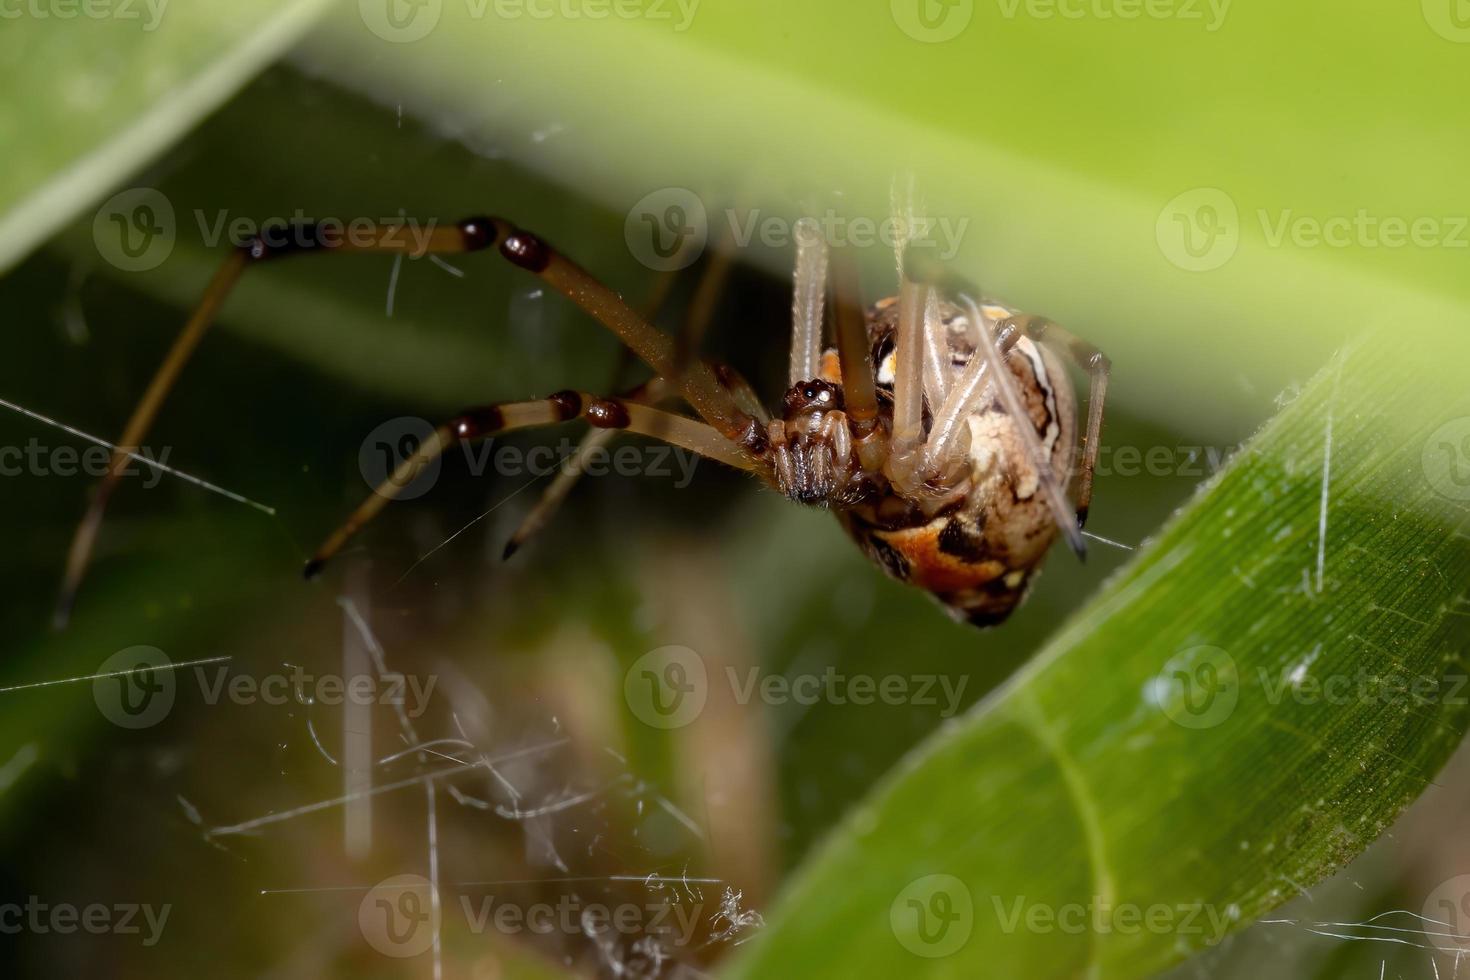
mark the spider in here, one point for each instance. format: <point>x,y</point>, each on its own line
<point>946,470</point>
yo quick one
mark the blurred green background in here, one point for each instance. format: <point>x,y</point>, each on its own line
<point>1125,175</point>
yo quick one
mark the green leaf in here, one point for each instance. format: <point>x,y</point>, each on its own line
<point>1052,164</point>
<point>1070,147</point>
<point>1245,707</point>
<point>104,94</point>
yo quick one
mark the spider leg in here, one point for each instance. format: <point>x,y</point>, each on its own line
<point>707,292</point>
<point>551,499</point>
<point>691,331</point>
<point>572,468</point>
<point>488,420</point>
<point>697,384</point>
<point>908,376</point>
<point>808,295</point>
<point>855,357</point>
<point>651,392</point>
<point>904,466</point>
<point>85,536</point>
<point>936,368</point>
<point>1098,368</point>
<point>937,371</point>
<point>1005,387</point>
<point>690,335</point>
<point>970,391</point>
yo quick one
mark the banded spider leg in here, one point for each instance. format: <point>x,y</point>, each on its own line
<point>629,414</point>
<point>726,428</point>
<point>686,347</point>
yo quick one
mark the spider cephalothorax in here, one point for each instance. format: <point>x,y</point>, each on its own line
<point>940,429</point>
<point>810,447</point>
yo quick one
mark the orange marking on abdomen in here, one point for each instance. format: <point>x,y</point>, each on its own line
<point>935,570</point>
<point>830,368</point>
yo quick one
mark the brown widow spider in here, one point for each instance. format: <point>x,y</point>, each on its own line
<point>947,472</point>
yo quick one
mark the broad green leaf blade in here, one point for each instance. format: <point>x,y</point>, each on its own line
<point>103,94</point>
<point>1023,164</point>
<point>1076,152</point>
<point>1382,912</point>
<point>1243,709</point>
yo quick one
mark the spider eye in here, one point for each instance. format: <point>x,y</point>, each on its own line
<point>812,395</point>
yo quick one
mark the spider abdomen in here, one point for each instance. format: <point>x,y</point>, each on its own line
<point>948,559</point>
<point>977,544</point>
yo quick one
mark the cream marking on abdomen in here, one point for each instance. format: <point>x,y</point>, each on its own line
<point>1038,367</point>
